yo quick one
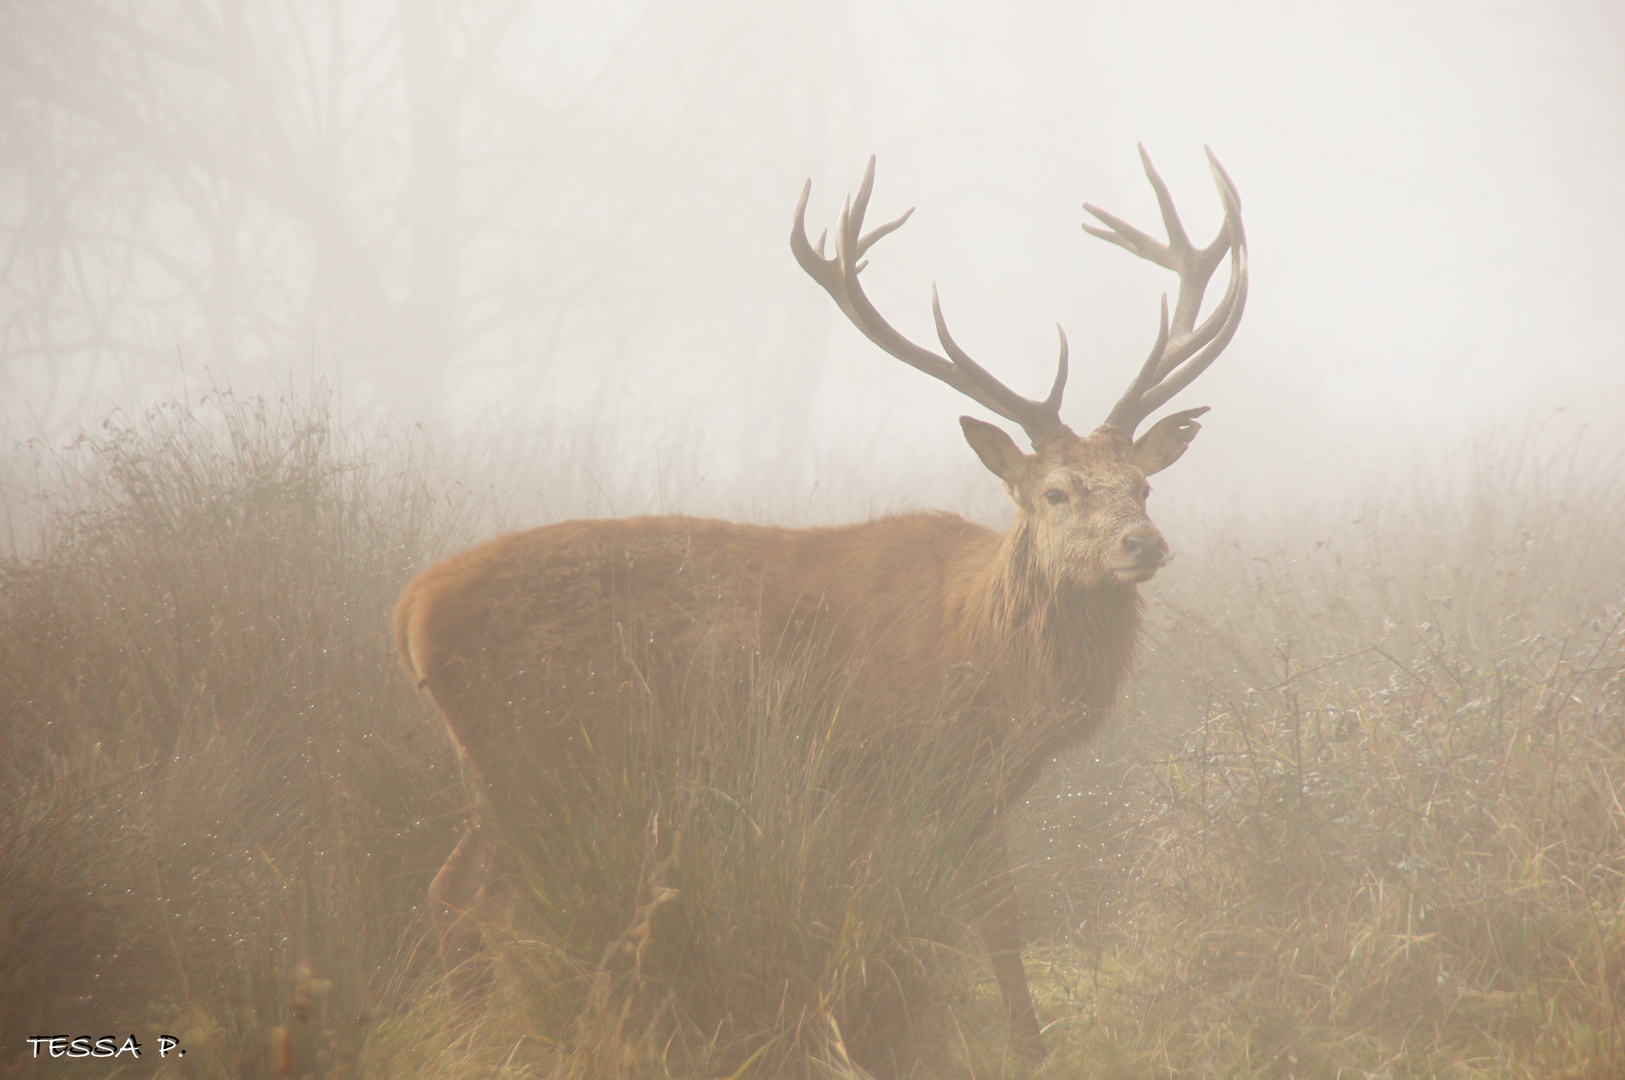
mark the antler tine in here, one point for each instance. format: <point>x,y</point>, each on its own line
<point>860,206</point>
<point>1187,373</point>
<point>1058,387</point>
<point>1041,420</point>
<point>1147,376</point>
<point>1177,238</point>
<point>838,275</point>
<point>1182,353</point>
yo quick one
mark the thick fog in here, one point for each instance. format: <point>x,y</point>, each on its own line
<point>512,217</point>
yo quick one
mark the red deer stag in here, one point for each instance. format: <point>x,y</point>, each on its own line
<point>1046,613</point>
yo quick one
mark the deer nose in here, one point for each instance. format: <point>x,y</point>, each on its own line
<point>1146,547</point>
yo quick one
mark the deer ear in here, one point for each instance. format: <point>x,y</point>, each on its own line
<point>997,450</point>
<point>1166,441</point>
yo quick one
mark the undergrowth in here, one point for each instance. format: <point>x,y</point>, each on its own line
<point>777,905</point>
<point>216,812</point>
<point>1358,817</point>
<point>1361,818</point>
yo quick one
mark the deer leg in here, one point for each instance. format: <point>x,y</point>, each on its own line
<point>455,898</point>
<point>1000,928</point>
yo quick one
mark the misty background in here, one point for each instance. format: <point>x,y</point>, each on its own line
<point>556,235</point>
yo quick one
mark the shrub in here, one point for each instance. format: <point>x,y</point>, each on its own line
<point>213,778</point>
<point>1368,823</point>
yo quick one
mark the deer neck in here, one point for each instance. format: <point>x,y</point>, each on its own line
<point>1072,640</point>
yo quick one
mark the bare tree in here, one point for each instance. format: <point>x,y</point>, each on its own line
<point>244,182</point>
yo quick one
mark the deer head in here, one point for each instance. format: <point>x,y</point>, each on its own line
<point>1081,501</point>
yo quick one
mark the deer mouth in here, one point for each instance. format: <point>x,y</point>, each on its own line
<point>1134,573</point>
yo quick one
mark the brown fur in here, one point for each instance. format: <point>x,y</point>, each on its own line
<point>524,640</point>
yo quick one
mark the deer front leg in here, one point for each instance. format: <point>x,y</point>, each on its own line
<point>455,899</point>
<point>1000,928</point>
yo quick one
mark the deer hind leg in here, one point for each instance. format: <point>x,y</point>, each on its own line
<point>1000,929</point>
<point>460,898</point>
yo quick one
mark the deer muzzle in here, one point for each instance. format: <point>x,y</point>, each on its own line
<point>1142,552</point>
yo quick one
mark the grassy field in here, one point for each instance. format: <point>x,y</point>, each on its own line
<point>1358,816</point>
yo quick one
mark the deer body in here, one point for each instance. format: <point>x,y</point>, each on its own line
<point>529,642</point>
<point>937,608</point>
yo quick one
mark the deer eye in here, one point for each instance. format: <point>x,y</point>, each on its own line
<point>1145,493</point>
<point>1056,496</point>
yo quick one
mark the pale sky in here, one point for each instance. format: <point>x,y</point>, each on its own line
<point>1432,193</point>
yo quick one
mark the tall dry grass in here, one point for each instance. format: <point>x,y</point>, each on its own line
<point>746,888</point>
<point>1362,817</point>
<point>1358,816</point>
<point>216,787</point>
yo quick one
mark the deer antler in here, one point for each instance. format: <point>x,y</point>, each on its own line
<point>1041,420</point>
<point>1181,353</point>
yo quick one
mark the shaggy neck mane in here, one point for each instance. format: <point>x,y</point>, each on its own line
<point>1061,641</point>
